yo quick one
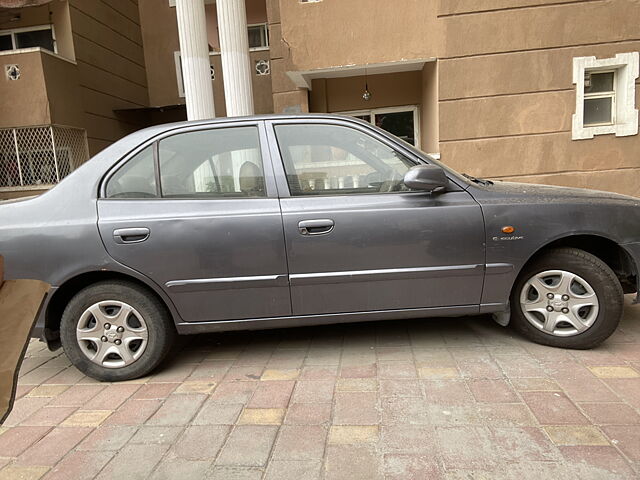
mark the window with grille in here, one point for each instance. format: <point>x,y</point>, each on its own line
<point>41,36</point>
<point>39,156</point>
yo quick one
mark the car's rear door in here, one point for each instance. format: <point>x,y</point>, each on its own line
<point>197,212</point>
<point>357,239</point>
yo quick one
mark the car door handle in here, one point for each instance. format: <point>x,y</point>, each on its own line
<point>131,235</point>
<point>315,227</point>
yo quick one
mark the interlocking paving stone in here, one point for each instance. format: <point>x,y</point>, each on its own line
<point>353,434</point>
<point>261,416</point>
<point>552,408</point>
<point>248,445</point>
<point>133,462</point>
<point>611,413</point>
<point>294,469</point>
<point>348,462</point>
<point>274,374</point>
<point>300,442</point>
<point>108,438</point>
<point>403,466</point>
<point>53,446</point>
<point>615,372</point>
<point>15,440</point>
<point>216,413</point>
<point>200,442</point>
<point>18,472</point>
<point>164,435</point>
<point>455,399</point>
<point>80,465</point>
<point>49,416</point>
<point>47,390</point>
<point>177,410</point>
<point>576,435</point>
<point>308,414</point>
<point>86,418</point>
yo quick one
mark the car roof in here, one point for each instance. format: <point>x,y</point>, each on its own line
<point>272,116</point>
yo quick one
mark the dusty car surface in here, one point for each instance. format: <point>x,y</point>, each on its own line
<point>278,221</point>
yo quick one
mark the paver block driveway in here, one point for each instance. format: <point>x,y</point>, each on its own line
<point>452,399</point>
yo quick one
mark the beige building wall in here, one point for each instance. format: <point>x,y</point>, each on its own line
<point>507,97</point>
<point>111,67</point>
<point>160,39</point>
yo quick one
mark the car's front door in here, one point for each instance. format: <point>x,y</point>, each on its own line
<point>197,212</point>
<point>357,238</point>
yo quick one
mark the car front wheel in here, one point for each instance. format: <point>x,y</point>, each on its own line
<point>116,330</point>
<point>567,298</point>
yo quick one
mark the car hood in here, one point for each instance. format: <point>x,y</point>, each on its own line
<point>549,193</point>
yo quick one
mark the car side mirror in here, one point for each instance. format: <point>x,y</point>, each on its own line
<point>428,178</point>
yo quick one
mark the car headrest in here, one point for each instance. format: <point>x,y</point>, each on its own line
<point>251,179</point>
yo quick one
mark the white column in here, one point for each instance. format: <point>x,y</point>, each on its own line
<point>194,53</point>
<point>234,49</point>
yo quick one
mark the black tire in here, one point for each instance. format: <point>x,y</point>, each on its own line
<point>160,328</point>
<point>600,277</point>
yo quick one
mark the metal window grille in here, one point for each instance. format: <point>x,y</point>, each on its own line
<point>38,157</point>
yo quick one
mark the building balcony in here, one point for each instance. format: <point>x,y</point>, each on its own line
<point>40,88</point>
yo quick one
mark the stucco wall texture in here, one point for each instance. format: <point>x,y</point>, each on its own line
<point>504,77</point>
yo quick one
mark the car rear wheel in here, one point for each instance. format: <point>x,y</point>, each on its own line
<point>567,298</point>
<point>116,330</point>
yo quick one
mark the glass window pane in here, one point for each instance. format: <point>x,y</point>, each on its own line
<point>398,123</point>
<point>257,36</point>
<point>223,162</point>
<point>336,160</point>
<point>5,42</point>
<point>599,82</point>
<point>597,110</point>
<point>135,179</point>
<point>35,38</point>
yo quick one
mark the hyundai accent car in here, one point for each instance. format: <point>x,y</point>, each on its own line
<point>277,221</point>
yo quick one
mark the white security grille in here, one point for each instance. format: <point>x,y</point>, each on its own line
<point>39,156</point>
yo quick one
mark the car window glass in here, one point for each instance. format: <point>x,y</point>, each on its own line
<point>222,162</point>
<point>337,160</point>
<point>135,179</point>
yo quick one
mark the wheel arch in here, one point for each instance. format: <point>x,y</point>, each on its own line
<point>66,291</point>
<point>607,250</point>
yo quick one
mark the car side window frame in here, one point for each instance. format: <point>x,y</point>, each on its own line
<point>265,153</point>
<point>279,166</point>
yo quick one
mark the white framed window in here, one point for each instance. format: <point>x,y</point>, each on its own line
<point>605,96</point>
<point>403,122</point>
<point>179,76</point>
<point>258,36</point>
<point>42,36</point>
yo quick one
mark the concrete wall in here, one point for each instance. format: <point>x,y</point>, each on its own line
<point>506,92</point>
<point>32,107</point>
<point>345,94</point>
<point>111,67</point>
<point>160,38</point>
<point>337,32</point>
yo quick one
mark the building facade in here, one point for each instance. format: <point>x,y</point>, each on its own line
<point>541,91</point>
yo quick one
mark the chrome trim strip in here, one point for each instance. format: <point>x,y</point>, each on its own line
<point>224,283</point>
<point>499,268</point>
<point>383,274</point>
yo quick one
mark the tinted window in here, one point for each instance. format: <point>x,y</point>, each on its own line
<point>223,162</point>
<point>135,179</point>
<point>336,160</point>
<point>35,38</point>
<point>5,42</point>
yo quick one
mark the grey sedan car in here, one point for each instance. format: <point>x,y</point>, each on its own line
<point>277,221</point>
